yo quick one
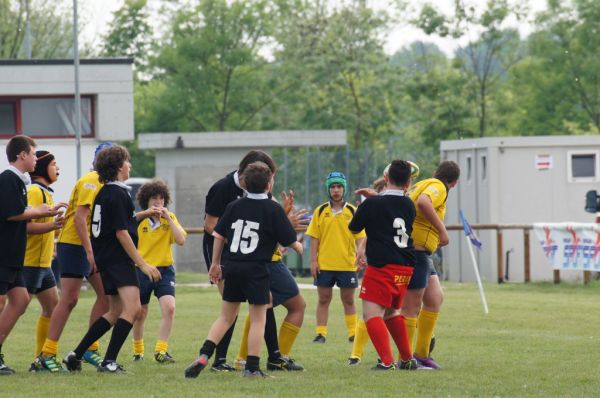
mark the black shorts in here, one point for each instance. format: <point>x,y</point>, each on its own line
<point>164,287</point>
<point>423,270</point>
<point>10,278</point>
<point>73,261</point>
<point>115,276</point>
<point>344,279</point>
<point>38,279</point>
<point>282,283</point>
<point>246,282</point>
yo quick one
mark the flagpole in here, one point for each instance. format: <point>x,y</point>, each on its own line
<point>474,261</point>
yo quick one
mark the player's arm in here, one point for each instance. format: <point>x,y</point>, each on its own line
<point>40,211</point>
<point>127,243</point>
<point>80,221</point>
<point>149,212</point>
<point>215,273</point>
<point>361,258</point>
<point>209,223</point>
<point>178,232</point>
<point>314,254</point>
<point>426,208</point>
<point>37,228</point>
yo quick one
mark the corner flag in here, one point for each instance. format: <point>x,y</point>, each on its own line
<point>469,231</point>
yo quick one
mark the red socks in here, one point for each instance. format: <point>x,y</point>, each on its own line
<point>397,329</point>
<point>378,332</point>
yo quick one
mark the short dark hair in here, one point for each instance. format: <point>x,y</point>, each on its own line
<point>256,155</point>
<point>152,188</point>
<point>399,172</point>
<point>18,144</point>
<point>256,177</point>
<point>447,172</point>
<point>108,162</point>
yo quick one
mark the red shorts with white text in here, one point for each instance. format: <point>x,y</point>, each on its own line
<point>386,285</point>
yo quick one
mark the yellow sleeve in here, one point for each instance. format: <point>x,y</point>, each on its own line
<point>360,235</point>
<point>34,196</point>
<point>176,221</point>
<point>313,229</point>
<point>87,193</point>
<point>436,191</point>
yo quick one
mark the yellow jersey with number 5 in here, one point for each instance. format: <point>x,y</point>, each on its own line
<point>424,234</point>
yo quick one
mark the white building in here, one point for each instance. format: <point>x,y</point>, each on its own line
<point>517,180</point>
<point>37,99</point>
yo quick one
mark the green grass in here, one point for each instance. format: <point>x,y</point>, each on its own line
<point>538,340</point>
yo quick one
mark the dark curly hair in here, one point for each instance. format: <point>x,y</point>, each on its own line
<point>152,188</point>
<point>109,161</point>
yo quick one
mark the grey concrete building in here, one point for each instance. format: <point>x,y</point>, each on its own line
<point>192,162</point>
<point>36,99</point>
<point>517,180</point>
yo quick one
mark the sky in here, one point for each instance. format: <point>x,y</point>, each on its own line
<point>97,14</point>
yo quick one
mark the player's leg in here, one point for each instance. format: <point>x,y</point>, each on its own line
<point>411,304</point>
<point>361,338</point>
<point>146,289</point>
<point>48,299</point>
<point>100,307</point>
<point>432,303</point>
<point>16,303</point>
<point>165,292</point>
<point>167,309</point>
<point>258,315</point>
<point>138,333</point>
<point>348,282</point>
<point>324,293</point>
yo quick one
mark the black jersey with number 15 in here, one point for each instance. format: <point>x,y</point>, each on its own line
<point>387,219</point>
<point>253,226</point>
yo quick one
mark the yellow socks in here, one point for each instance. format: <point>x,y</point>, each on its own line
<point>322,330</point>
<point>161,346</point>
<point>361,338</point>
<point>287,336</point>
<point>411,330</point>
<point>138,347</point>
<point>50,348</point>
<point>41,332</point>
<point>243,352</point>
<point>350,323</point>
<point>425,327</point>
<point>95,346</point>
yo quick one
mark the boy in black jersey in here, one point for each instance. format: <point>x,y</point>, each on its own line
<point>387,220</point>
<point>113,234</point>
<point>252,227</point>
<point>14,214</point>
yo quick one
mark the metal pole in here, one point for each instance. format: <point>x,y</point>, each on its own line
<point>285,169</point>
<point>77,93</point>
<point>27,32</point>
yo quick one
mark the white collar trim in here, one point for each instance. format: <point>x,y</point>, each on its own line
<point>257,196</point>
<point>119,184</point>
<point>23,176</point>
<point>394,192</point>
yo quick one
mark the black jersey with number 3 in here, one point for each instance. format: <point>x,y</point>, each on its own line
<point>387,219</point>
<point>112,211</point>
<point>253,225</point>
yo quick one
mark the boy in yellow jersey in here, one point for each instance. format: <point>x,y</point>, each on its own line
<point>333,255</point>
<point>424,298</point>
<point>37,274</point>
<point>157,231</point>
<point>76,258</point>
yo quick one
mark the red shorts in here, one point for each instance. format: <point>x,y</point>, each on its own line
<point>386,285</point>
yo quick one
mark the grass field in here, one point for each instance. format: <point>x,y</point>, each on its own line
<point>539,340</point>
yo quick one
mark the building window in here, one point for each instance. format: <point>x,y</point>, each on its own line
<point>8,117</point>
<point>583,166</point>
<point>45,116</point>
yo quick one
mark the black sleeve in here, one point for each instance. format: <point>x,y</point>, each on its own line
<point>284,232</point>
<point>11,198</point>
<point>224,224</point>
<point>359,221</point>
<point>216,200</point>
<point>121,212</point>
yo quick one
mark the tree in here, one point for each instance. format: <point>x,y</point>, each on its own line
<point>130,34</point>
<point>561,78</point>
<point>50,25</point>
<point>485,59</point>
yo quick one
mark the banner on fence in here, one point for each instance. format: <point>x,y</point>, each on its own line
<point>570,245</point>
